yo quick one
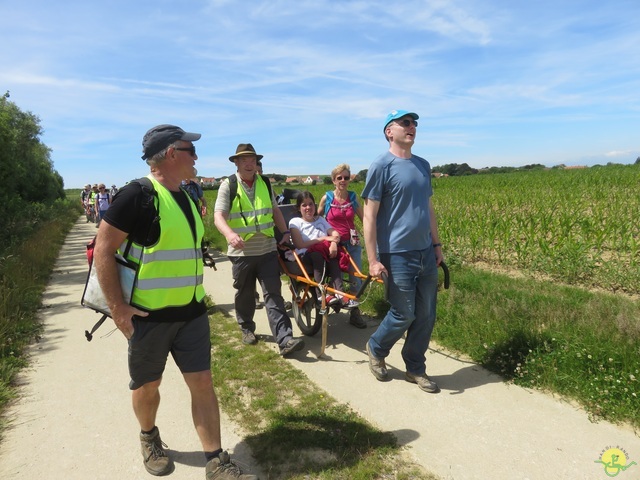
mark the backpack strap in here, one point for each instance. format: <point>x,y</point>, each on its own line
<point>233,186</point>
<point>353,199</point>
<point>148,205</point>
<point>327,203</point>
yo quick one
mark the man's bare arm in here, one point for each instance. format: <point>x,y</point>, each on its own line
<point>371,208</point>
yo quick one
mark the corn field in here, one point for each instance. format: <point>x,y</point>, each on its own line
<point>577,227</point>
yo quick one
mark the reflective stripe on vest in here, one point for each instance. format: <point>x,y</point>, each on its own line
<point>246,219</point>
<point>171,271</point>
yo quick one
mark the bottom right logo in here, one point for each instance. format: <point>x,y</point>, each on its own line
<point>614,460</point>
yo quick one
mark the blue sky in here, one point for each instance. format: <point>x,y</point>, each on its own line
<point>308,83</point>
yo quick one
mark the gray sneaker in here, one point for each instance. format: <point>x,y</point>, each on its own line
<point>377,366</point>
<point>222,468</point>
<point>248,337</point>
<point>423,381</point>
<point>291,346</point>
<point>155,458</point>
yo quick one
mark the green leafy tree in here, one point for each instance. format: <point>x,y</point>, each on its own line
<point>27,176</point>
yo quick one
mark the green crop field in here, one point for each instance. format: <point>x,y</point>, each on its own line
<point>579,227</point>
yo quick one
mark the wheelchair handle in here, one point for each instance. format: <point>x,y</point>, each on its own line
<point>445,270</point>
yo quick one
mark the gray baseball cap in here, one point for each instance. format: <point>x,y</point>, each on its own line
<point>161,136</point>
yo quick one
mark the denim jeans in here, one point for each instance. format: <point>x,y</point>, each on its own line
<point>355,252</point>
<point>413,289</point>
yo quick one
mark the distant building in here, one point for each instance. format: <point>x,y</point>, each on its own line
<point>208,181</point>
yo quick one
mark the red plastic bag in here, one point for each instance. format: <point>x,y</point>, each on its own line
<point>90,246</point>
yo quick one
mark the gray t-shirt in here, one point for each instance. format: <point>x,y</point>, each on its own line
<point>258,244</point>
<point>403,188</point>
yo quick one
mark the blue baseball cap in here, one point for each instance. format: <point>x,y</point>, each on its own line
<point>396,114</point>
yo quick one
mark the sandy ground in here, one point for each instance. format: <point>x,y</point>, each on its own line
<point>74,418</point>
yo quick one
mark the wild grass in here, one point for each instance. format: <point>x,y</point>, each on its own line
<point>295,430</point>
<point>25,267</point>
<point>579,344</point>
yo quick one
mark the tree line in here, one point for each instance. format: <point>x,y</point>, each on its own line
<point>28,182</point>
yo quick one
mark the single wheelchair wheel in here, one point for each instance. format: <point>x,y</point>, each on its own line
<point>307,317</point>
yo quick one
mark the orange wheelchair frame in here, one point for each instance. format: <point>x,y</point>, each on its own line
<point>308,316</point>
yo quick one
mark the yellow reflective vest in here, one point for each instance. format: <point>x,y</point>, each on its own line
<point>170,272</point>
<point>246,219</point>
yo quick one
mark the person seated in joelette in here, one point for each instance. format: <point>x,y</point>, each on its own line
<point>316,243</point>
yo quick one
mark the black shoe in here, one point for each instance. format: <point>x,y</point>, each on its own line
<point>356,319</point>
<point>293,345</point>
<point>259,304</point>
<point>248,337</point>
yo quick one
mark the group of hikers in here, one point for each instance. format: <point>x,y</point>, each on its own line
<point>167,313</point>
<point>95,201</point>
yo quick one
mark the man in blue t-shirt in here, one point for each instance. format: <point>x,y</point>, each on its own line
<point>401,239</point>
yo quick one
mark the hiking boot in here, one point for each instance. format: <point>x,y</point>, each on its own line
<point>356,319</point>
<point>222,468</point>
<point>248,337</point>
<point>293,345</point>
<point>377,366</point>
<point>155,458</point>
<point>423,381</point>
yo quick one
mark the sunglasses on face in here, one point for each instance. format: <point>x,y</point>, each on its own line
<point>341,178</point>
<point>191,150</point>
<point>407,122</point>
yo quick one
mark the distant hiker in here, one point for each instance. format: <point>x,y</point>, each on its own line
<point>85,195</point>
<point>167,313</point>
<point>196,193</point>
<point>103,200</point>
<point>113,191</point>
<point>400,226</point>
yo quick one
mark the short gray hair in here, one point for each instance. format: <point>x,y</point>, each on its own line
<point>159,157</point>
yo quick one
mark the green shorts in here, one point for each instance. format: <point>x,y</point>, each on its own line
<point>188,342</point>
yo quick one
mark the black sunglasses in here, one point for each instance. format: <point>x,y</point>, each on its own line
<point>407,123</point>
<point>191,150</point>
<point>340,178</point>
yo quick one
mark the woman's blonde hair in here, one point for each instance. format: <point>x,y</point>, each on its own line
<point>339,169</point>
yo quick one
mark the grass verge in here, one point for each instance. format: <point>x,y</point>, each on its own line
<point>25,268</point>
<point>580,344</point>
<point>295,430</point>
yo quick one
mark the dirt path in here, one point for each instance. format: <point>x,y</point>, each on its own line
<point>74,419</point>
